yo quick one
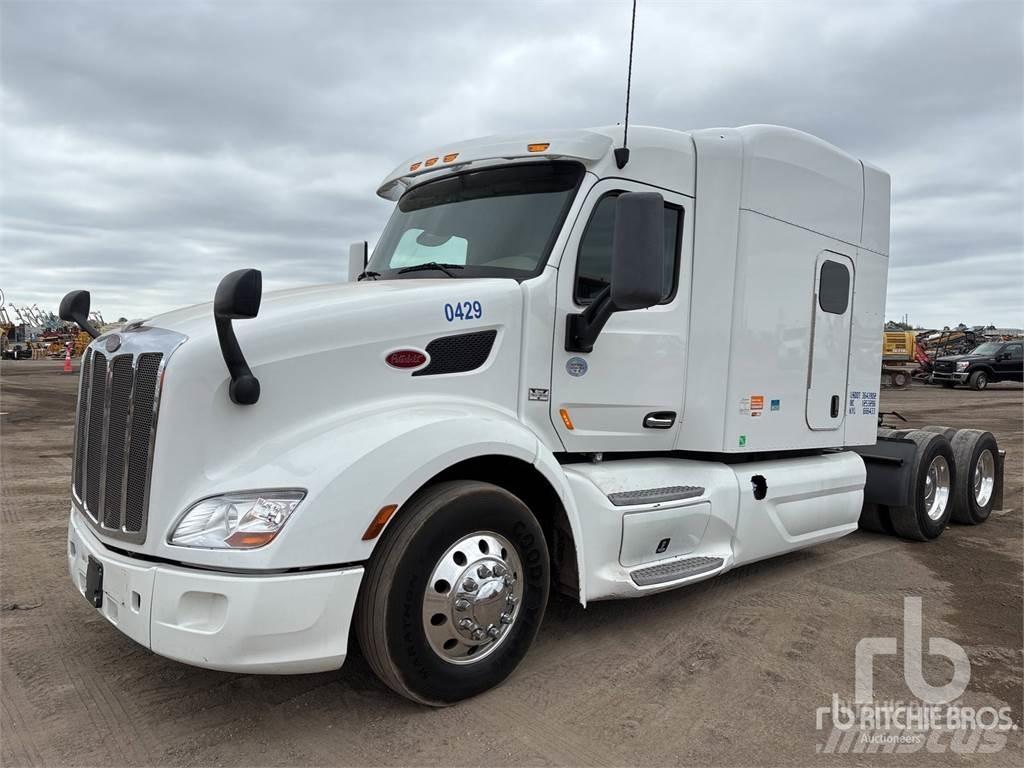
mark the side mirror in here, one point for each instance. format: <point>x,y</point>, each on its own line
<point>358,256</point>
<point>637,274</point>
<point>638,251</point>
<point>74,308</point>
<point>238,298</point>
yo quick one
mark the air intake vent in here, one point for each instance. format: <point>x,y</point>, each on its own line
<point>458,354</point>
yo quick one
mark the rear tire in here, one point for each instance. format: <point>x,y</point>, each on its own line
<point>976,454</point>
<point>934,483</point>
<point>979,380</point>
<point>434,570</point>
<point>947,432</point>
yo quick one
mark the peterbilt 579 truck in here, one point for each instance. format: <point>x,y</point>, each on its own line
<point>566,366</point>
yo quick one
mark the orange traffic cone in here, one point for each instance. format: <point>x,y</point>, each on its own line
<point>67,358</point>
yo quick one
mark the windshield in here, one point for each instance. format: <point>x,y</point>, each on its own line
<point>988,348</point>
<point>498,222</point>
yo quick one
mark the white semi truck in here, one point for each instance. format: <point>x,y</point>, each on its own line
<point>566,366</point>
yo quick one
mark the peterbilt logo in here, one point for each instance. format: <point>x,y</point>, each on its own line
<point>113,343</point>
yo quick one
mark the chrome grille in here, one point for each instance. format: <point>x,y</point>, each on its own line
<point>118,403</point>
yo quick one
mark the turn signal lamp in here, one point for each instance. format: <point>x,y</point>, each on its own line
<point>565,418</point>
<point>379,521</point>
<point>538,147</point>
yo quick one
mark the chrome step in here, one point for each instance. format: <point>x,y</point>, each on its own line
<point>655,495</point>
<point>680,569</point>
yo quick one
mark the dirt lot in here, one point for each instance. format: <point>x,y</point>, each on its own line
<point>729,672</point>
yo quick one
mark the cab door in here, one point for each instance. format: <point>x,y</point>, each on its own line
<point>830,341</point>
<point>626,394</point>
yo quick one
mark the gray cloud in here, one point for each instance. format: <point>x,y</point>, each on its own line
<point>149,147</point>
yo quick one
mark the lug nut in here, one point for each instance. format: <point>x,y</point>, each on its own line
<point>508,580</point>
<point>461,605</point>
<point>499,570</point>
<point>483,571</point>
<point>511,600</point>
<point>466,623</point>
<point>506,618</point>
<point>469,585</point>
<point>493,632</point>
<point>478,634</point>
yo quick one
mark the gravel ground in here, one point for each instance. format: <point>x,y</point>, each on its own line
<point>728,672</point>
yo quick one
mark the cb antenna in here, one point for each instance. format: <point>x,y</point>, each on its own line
<point>622,153</point>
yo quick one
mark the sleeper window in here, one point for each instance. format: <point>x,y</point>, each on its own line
<point>834,287</point>
<point>594,261</point>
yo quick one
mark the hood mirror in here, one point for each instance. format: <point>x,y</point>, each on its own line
<point>74,308</point>
<point>238,298</point>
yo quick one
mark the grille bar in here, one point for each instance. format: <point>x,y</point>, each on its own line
<point>118,401</point>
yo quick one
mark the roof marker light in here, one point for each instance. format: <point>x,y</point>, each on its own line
<point>452,156</point>
<point>415,166</point>
<point>430,161</point>
<point>538,147</point>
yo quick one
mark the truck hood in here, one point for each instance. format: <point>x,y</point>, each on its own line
<point>321,357</point>
<point>960,358</point>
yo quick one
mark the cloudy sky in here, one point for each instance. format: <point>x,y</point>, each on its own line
<point>151,147</point>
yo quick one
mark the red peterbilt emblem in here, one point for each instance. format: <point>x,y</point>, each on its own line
<point>405,358</point>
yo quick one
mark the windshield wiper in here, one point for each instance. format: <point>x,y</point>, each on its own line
<point>368,274</point>
<point>434,265</point>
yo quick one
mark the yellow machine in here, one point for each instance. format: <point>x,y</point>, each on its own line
<point>901,357</point>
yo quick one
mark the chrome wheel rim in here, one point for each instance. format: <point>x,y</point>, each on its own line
<point>473,598</point>
<point>936,488</point>
<point>984,478</point>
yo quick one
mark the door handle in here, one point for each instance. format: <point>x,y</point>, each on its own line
<point>834,410</point>
<point>660,420</point>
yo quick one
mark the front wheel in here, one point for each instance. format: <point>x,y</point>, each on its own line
<point>979,380</point>
<point>455,594</point>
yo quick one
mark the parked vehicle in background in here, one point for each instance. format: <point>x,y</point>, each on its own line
<point>18,351</point>
<point>986,364</point>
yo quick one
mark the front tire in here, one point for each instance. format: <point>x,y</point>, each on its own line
<point>979,380</point>
<point>455,594</point>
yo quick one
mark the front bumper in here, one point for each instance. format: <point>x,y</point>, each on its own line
<point>254,624</point>
<point>958,378</point>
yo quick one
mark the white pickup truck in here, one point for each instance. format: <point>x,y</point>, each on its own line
<point>564,367</point>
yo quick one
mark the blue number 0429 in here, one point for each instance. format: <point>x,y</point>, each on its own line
<point>463,310</point>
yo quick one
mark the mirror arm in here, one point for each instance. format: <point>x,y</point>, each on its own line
<point>244,388</point>
<point>582,330</point>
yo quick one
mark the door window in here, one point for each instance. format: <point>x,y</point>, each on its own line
<point>594,261</point>
<point>1015,351</point>
<point>834,287</point>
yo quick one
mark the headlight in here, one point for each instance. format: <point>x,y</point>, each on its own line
<point>963,365</point>
<point>236,520</point>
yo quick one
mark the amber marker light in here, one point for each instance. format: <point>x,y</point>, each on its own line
<point>415,166</point>
<point>565,418</point>
<point>452,156</point>
<point>538,147</point>
<point>430,161</point>
<point>379,521</point>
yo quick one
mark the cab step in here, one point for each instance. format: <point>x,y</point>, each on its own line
<point>674,571</point>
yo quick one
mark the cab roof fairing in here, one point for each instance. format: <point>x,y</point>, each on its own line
<point>587,146</point>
